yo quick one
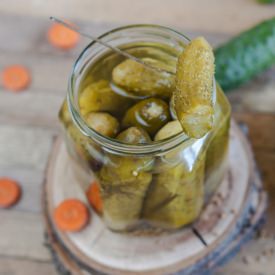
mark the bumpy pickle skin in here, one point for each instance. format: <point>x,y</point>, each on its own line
<point>149,114</point>
<point>193,99</point>
<point>98,96</point>
<point>103,123</point>
<point>143,81</point>
<point>124,182</point>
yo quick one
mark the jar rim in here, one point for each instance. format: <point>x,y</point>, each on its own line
<point>112,144</point>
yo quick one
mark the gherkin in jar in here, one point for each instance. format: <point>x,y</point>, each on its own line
<point>149,114</point>
<point>103,123</point>
<point>176,195</point>
<point>143,81</point>
<point>98,96</point>
<point>124,182</point>
<point>134,135</point>
<point>170,129</point>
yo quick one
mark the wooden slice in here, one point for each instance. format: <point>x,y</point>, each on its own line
<point>98,248</point>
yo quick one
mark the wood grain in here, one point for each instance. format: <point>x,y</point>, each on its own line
<point>261,131</point>
<point>26,147</point>
<point>46,79</point>
<point>22,235</point>
<point>23,267</point>
<point>30,109</point>
<point>254,259</point>
<point>35,30</point>
<point>257,95</point>
<point>212,15</point>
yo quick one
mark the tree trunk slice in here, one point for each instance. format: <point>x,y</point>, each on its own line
<point>228,220</point>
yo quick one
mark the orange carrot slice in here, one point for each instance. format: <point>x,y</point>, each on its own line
<point>93,195</point>
<point>71,215</point>
<point>10,192</point>
<point>62,37</point>
<point>16,78</point>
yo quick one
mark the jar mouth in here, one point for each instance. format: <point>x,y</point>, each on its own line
<point>114,145</point>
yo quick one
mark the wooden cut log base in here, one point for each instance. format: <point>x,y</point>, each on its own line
<point>228,220</point>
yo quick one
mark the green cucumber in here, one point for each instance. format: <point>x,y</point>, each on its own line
<point>246,55</point>
<point>266,1</point>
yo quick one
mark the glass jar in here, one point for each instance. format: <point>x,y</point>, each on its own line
<point>162,184</point>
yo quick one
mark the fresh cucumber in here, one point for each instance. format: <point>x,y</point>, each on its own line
<point>266,1</point>
<point>246,55</point>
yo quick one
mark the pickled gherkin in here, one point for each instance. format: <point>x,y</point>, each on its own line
<point>134,135</point>
<point>150,114</point>
<point>124,182</point>
<point>193,97</point>
<point>103,123</point>
<point>170,129</point>
<point>98,96</point>
<point>143,81</point>
<point>176,195</point>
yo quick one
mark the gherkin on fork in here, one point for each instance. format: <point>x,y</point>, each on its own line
<point>193,96</point>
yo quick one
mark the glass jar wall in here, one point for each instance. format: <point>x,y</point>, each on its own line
<point>163,178</point>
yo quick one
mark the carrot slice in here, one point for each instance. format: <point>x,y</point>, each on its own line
<point>62,37</point>
<point>10,192</point>
<point>71,215</point>
<point>16,78</point>
<point>93,195</point>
